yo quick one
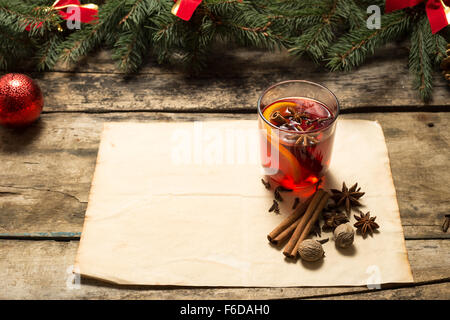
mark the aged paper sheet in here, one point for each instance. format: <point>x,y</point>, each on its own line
<point>183,204</point>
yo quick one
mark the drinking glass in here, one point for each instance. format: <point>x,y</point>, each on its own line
<point>297,156</point>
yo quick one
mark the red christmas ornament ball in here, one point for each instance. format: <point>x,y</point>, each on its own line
<point>21,100</point>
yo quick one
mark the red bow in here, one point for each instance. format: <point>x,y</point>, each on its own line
<point>184,9</point>
<point>88,12</point>
<point>438,11</point>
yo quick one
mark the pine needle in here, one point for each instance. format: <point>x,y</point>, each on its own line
<point>420,58</point>
<point>330,31</point>
<point>352,49</point>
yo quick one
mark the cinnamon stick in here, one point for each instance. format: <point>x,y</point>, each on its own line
<point>288,221</point>
<point>286,233</point>
<point>304,219</point>
<point>311,222</point>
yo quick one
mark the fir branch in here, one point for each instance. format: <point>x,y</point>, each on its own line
<point>195,48</point>
<point>249,28</point>
<point>352,48</point>
<point>351,13</point>
<point>130,49</point>
<point>13,48</point>
<point>439,48</point>
<point>420,58</point>
<point>292,17</point>
<point>133,37</point>
<point>139,11</point>
<point>256,37</point>
<point>48,54</point>
<point>135,8</point>
<point>18,15</point>
<point>366,3</point>
<point>164,30</point>
<point>134,27</point>
<point>316,39</point>
<point>196,59</point>
<point>165,39</point>
<point>80,43</point>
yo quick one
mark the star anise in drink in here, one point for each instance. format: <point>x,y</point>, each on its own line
<point>347,197</point>
<point>365,223</point>
<point>306,139</point>
<point>300,116</point>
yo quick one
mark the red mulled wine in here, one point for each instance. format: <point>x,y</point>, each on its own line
<point>297,140</point>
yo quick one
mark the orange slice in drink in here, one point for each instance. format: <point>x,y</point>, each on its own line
<point>277,106</point>
<point>287,162</point>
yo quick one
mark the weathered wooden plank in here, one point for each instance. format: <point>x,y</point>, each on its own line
<point>42,235</point>
<point>46,169</point>
<point>439,291</point>
<point>41,270</point>
<point>233,82</point>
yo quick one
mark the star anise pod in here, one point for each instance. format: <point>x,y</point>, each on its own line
<point>306,139</point>
<point>315,230</point>
<point>347,197</point>
<point>333,218</point>
<point>365,223</point>
<point>300,116</point>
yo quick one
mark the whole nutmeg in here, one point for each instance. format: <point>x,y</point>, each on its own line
<point>344,235</point>
<point>311,250</point>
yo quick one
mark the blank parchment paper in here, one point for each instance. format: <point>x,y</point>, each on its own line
<point>183,204</point>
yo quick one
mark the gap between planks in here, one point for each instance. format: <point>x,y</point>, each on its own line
<point>387,288</point>
<point>355,110</point>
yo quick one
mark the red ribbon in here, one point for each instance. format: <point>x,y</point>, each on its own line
<point>88,12</point>
<point>438,11</point>
<point>184,9</point>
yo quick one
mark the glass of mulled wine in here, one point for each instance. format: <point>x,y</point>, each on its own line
<point>297,122</point>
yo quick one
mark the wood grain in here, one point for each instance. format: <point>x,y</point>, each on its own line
<point>46,169</point>
<point>41,270</point>
<point>233,82</point>
<point>438,291</point>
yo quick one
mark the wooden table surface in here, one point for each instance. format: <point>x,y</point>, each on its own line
<point>46,169</point>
